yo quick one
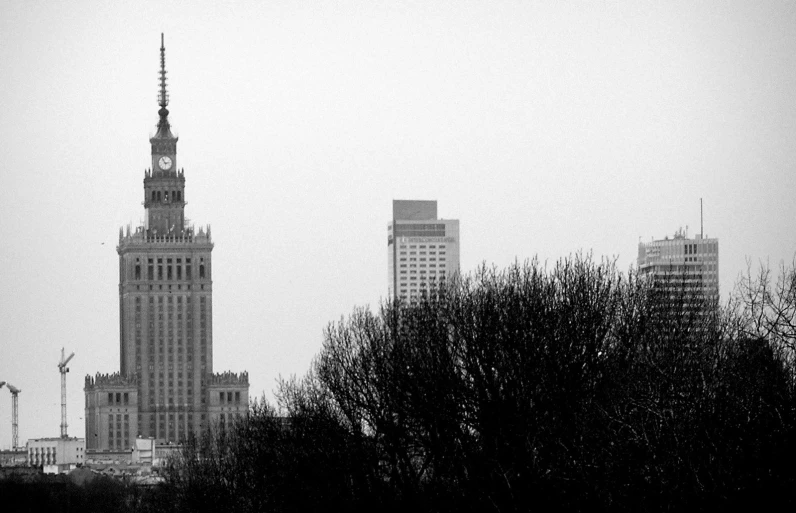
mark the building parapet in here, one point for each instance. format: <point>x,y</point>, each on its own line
<point>110,380</point>
<point>142,236</point>
<point>229,378</point>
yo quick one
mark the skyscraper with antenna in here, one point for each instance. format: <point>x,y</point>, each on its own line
<point>165,388</point>
<point>679,262</point>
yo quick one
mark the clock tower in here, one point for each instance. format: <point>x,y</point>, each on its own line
<point>165,388</point>
<point>164,186</point>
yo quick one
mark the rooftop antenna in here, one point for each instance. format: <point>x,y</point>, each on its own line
<point>701,224</point>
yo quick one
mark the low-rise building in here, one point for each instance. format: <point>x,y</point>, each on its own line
<point>143,451</point>
<point>14,457</point>
<point>56,455</point>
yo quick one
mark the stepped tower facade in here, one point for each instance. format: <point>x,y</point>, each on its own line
<point>165,388</point>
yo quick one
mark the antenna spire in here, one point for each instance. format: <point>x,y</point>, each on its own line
<point>163,97</point>
<point>164,129</point>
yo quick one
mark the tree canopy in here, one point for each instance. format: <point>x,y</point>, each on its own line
<point>566,388</point>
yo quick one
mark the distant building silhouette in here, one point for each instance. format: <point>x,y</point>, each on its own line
<point>166,388</point>
<point>422,250</point>
<point>683,269</point>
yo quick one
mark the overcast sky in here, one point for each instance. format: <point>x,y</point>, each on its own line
<point>546,128</point>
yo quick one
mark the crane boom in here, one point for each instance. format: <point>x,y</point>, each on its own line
<point>64,362</point>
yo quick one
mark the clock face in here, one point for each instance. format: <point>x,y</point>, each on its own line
<point>164,163</point>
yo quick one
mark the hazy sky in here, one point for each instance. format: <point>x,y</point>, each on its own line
<point>544,127</point>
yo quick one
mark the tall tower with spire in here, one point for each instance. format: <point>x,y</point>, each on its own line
<point>166,388</point>
<point>164,187</point>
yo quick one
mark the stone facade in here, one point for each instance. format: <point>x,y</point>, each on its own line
<point>111,411</point>
<point>228,394</point>
<point>165,386</point>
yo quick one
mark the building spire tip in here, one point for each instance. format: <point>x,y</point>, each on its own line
<point>163,97</point>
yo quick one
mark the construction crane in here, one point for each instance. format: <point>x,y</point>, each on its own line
<point>63,369</point>
<point>14,413</point>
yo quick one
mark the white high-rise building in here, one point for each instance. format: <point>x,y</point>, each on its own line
<point>681,264</point>
<point>422,250</point>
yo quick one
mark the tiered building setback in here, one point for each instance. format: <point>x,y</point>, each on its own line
<point>165,388</point>
<point>422,249</point>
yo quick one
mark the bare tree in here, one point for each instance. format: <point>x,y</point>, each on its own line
<point>766,305</point>
<point>569,388</point>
